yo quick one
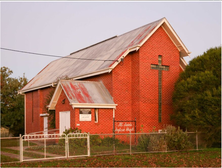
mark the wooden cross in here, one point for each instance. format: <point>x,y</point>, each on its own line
<point>160,68</point>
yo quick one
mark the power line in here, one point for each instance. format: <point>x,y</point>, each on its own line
<point>49,55</point>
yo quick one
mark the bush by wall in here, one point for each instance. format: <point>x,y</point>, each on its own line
<point>172,139</point>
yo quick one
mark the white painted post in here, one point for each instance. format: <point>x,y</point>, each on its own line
<point>66,145</point>
<point>88,144</point>
<point>21,147</point>
<point>28,141</point>
<point>44,147</point>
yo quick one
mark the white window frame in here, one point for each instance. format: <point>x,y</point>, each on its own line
<point>85,117</point>
<point>96,115</point>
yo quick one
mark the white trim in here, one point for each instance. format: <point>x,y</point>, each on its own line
<point>44,115</point>
<point>35,88</point>
<point>64,92</point>
<point>55,97</point>
<point>182,68</point>
<point>170,38</point>
<point>185,63</point>
<point>131,49</point>
<point>176,36</point>
<point>153,31</point>
<point>87,105</point>
<point>96,115</point>
<point>163,23</point>
<point>113,113</point>
<point>107,70</point>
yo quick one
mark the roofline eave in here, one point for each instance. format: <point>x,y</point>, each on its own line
<point>107,70</point>
<point>36,88</point>
<point>99,72</point>
<point>93,105</point>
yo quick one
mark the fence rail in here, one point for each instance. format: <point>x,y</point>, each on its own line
<point>53,146</point>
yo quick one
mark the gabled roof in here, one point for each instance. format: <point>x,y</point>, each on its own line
<point>83,94</point>
<point>90,61</point>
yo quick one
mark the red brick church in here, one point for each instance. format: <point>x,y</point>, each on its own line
<point>127,78</point>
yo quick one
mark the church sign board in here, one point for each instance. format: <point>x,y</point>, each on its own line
<point>125,126</point>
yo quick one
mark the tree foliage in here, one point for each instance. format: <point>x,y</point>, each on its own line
<point>12,104</point>
<point>197,96</point>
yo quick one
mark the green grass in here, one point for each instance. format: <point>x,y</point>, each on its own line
<point>28,154</point>
<point>10,151</point>
<point>54,149</point>
<point>204,158</point>
<point>14,143</point>
<point>9,142</point>
<point>7,159</point>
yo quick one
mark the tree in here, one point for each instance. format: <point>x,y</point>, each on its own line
<point>197,96</point>
<point>12,104</point>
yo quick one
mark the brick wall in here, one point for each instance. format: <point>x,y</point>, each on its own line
<point>35,105</point>
<point>158,44</point>
<point>133,86</point>
<point>62,107</point>
<point>105,118</point>
<point>104,125</point>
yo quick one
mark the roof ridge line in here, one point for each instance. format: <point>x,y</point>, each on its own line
<point>142,26</point>
<point>114,37</point>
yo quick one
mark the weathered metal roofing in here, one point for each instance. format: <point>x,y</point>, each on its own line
<point>83,94</point>
<point>99,58</point>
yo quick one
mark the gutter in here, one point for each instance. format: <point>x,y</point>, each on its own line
<point>107,70</point>
<point>22,92</point>
<point>87,105</point>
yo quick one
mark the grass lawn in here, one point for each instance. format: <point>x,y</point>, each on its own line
<point>14,143</point>
<point>7,159</point>
<point>204,158</point>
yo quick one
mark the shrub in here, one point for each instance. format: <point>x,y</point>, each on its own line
<point>72,130</point>
<point>157,142</point>
<point>143,142</point>
<point>95,140</point>
<point>173,139</point>
<point>108,141</point>
<point>77,142</point>
<point>176,139</point>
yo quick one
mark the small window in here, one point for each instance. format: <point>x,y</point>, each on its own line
<point>85,115</point>
<point>96,115</point>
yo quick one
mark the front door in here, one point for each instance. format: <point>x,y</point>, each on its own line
<point>64,121</point>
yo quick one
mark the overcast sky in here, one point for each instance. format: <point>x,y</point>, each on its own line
<point>60,28</point>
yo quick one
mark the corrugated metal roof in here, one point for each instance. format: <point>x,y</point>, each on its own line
<point>88,60</point>
<point>86,92</point>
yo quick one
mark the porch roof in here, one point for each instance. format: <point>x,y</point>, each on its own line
<point>83,94</point>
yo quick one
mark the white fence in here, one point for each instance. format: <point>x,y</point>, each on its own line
<point>54,146</point>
